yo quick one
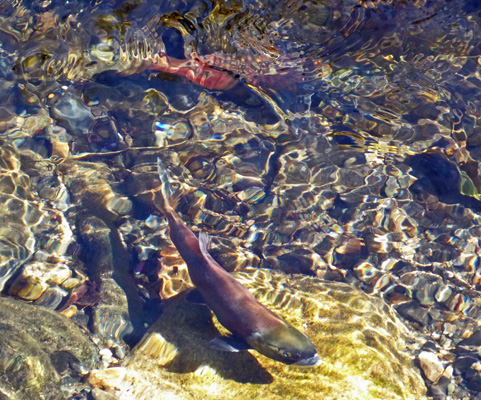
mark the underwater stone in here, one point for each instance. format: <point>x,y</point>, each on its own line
<point>366,272</point>
<point>71,113</point>
<point>441,388</point>
<point>36,277</point>
<point>426,294</point>
<point>360,341</point>
<point>51,298</point>
<point>71,283</point>
<point>31,338</point>
<point>431,366</point>
<point>167,134</point>
<point>443,293</point>
<point>463,363</point>
<point>99,394</point>
<point>473,341</point>
<point>414,312</point>
<point>25,369</point>
<point>473,376</point>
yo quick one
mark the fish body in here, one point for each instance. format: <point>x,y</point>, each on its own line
<point>234,306</point>
<point>195,70</point>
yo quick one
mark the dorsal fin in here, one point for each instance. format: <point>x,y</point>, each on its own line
<point>204,243</point>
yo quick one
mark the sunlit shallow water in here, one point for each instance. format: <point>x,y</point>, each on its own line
<point>337,141</point>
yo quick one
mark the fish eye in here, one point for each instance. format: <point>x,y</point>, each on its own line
<point>287,354</point>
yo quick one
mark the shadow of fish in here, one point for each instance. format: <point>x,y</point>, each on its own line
<point>252,324</point>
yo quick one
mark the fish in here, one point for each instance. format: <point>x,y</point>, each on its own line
<point>253,325</point>
<point>223,72</point>
<point>195,70</point>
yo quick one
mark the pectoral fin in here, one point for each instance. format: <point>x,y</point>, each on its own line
<point>229,343</point>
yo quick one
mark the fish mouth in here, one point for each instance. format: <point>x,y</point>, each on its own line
<point>313,361</point>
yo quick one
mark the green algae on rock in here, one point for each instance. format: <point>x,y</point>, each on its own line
<point>359,338</point>
<point>42,354</point>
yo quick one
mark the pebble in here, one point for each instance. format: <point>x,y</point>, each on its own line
<point>443,294</point>
<point>473,377</point>
<point>107,357</point>
<point>72,114</point>
<point>414,312</point>
<point>469,346</point>
<point>439,390</point>
<point>51,298</point>
<point>463,363</point>
<point>99,394</point>
<point>473,340</point>
<point>69,312</point>
<point>430,346</point>
<point>431,366</point>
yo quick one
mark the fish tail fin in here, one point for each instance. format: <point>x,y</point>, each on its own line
<point>164,202</point>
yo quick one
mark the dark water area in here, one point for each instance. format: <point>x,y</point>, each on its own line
<point>336,143</point>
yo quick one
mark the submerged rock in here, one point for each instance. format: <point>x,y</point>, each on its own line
<point>43,355</point>
<point>359,339</point>
<point>37,277</point>
<point>431,365</point>
<point>71,113</point>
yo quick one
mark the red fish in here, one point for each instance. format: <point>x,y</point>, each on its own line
<point>222,72</point>
<point>195,70</point>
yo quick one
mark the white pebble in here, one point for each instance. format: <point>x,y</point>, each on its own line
<point>431,366</point>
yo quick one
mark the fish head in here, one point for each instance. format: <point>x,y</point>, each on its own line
<point>285,344</point>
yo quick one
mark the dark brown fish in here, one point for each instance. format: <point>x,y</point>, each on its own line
<point>235,307</point>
